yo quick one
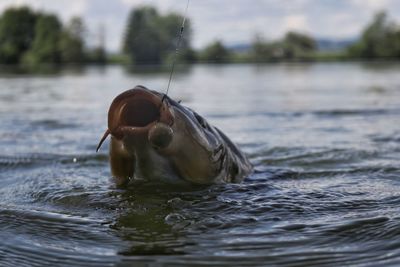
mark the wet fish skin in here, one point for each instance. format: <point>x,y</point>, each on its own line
<point>161,140</point>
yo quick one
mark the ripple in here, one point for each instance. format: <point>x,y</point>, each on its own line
<point>356,112</point>
<point>49,124</point>
<point>37,237</point>
<point>39,159</point>
<point>319,113</point>
<point>304,157</point>
<point>325,191</point>
<point>380,138</point>
<point>23,160</point>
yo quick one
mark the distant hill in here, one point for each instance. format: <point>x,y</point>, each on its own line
<point>323,44</point>
<point>239,48</point>
<point>334,45</point>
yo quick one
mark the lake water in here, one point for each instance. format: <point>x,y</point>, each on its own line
<point>324,139</point>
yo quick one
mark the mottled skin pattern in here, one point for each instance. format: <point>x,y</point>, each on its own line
<point>159,140</point>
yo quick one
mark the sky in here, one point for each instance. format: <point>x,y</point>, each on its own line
<point>230,21</point>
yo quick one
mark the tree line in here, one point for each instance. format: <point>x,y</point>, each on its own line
<point>31,37</point>
<point>151,38</point>
<point>380,39</point>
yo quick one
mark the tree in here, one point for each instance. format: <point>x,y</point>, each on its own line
<point>262,51</point>
<point>150,38</point>
<point>36,37</point>
<point>297,45</point>
<point>216,52</point>
<point>45,46</point>
<point>72,42</point>
<point>381,38</point>
<point>293,46</point>
<point>17,30</point>
<point>142,37</point>
<point>97,54</point>
<point>170,26</point>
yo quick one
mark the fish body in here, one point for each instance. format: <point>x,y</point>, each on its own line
<point>155,138</point>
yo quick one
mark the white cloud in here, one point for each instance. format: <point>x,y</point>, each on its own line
<point>296,23</point>
<point>163,5</point>
<point>372,4</point>
<point>65,9</point>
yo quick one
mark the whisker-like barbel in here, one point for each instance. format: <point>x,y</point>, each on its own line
<point>155,138</point>
<point>106,133</point>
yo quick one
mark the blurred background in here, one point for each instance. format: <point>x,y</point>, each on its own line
<point>144,32</point>
<point>308,89</point>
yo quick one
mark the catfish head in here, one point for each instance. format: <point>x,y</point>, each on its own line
<point>155,138</point>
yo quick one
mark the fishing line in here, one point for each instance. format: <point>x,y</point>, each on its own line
<point>176,50</point>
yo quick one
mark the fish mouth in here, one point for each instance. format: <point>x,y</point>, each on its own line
<point>138,112</point>
<point>135,111</point>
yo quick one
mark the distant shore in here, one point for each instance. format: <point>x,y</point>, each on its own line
<point>38,40</point>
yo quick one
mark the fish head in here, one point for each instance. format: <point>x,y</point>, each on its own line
<point>134,113</point>
<point>163,140</point>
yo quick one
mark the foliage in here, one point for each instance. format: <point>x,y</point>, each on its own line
<point>297,45</point>
<point>71,42</point>
<point>17,30</point>
<point>380,39</point>
<point>45,47</point>
<point>97,55</point>
<point>150,38</point>
<point>143,39</point>
<point>292,47</point>
<point>215,52</point>
<point>34,38</point>
<point>118,58</point>
<point>262,51</point>
<point>170,25</point>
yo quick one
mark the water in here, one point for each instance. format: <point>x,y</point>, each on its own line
<point>324,140</point>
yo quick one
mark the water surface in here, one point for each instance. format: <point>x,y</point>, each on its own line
<point>324,140</point>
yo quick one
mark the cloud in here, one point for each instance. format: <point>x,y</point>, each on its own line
<point>65,9</point>
<point>163,5</point>
<point>371,4</point>
<point>296,23</point>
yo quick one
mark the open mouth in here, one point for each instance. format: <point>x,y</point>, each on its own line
<point>134,111</point>
<point>138,112</point>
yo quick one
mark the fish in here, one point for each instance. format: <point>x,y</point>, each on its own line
<point>155,138</point>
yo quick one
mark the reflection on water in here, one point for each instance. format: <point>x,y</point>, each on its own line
<point>324,139</point>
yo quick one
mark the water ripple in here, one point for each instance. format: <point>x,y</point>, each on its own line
<point>325,191</point>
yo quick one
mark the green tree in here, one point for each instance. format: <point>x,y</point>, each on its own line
<point>293,46</point>
<point>170,26</point>
<point>262,51</point>
<point>151,38</point>
<point>143,37</point>
<point>297,45</point>
<point>72,42</point>
<point>17,29</point>
<point>45,46</point>
<point>380,39</point>
<point>98,54</point>
<point>216,52</point>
